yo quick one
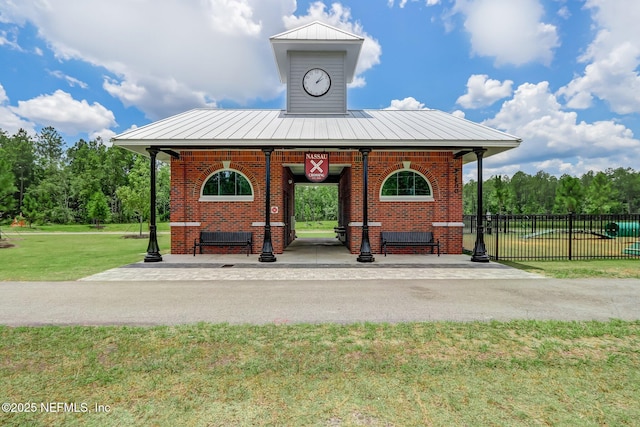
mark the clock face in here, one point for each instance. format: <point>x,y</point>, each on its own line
<point>316,82</point>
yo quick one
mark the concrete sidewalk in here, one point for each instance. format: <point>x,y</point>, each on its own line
<point>314,301</point>
<point>311,259</point>
<point>314,281</point>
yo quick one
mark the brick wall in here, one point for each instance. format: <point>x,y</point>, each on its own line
<point>189,173</point>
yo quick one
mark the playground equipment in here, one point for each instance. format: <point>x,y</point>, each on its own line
<point>634,249</point>
<point>623,229</point>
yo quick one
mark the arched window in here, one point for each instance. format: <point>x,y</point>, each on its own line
<point>406,185</point>
<point>226,185</point>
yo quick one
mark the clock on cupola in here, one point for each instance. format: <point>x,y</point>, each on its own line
<point>316,62</point>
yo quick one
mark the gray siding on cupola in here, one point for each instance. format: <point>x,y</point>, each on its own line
<point>299,101</point>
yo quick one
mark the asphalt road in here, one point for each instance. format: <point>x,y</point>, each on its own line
<point>315,301</point>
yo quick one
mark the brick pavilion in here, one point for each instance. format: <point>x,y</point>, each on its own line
<point>237,170</point>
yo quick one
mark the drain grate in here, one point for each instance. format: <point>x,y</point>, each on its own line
<point>227,265</point>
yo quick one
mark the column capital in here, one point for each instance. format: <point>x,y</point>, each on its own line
<point>365,150</point>
<point>267,150</point>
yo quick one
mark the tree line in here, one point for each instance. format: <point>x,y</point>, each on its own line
<point>614,191</point>
<point>43,181</point>
<point>316,203</point>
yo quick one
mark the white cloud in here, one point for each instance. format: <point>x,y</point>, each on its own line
<point>10,122</point>
<point>9,39</point>
<point>176,54</point>
<point>3,95</point>
<point>166,57</point>
<point>402,3</point>
<point>104,134</point>
<point>72,81</point>
<point>154,96</point>
<point>612,58</point>
<point>409,103</point>
<point>549,133</point>
<point>564,12</point>
<point>66,114</point>
<point>483,91</point>
<point>511,31</point>
<point>238,17</point>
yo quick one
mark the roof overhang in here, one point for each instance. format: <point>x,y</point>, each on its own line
<point>382,130</point>
<point>168,149</point>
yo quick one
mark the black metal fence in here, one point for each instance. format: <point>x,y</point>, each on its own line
<point>559,237</point>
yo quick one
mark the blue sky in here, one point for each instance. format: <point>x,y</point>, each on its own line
<point>561,74</point>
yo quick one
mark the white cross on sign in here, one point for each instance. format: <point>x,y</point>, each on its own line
<point>316,166</point>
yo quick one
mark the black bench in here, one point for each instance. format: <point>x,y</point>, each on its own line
<point>341,233</point>
<point>223,238</point>
<point>408,238</point>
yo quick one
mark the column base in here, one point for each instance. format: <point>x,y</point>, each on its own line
<point>480,258</point>
<point>153,257</point>
<point>365,258</point>
<point>267,257</point>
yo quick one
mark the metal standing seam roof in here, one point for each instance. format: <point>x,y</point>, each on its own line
<point>377,129</point>
<point>316,31</point>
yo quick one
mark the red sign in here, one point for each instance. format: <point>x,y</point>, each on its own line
<point>316,166</point>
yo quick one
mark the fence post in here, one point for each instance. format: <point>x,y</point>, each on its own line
<point>570,235</point>
<point>496,228</point>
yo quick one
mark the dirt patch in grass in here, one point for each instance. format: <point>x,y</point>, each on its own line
<point>5,244</point>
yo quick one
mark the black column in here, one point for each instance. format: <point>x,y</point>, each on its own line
<point>267,246</point>
<point>365,246</point>
<point>153,251</point>
<point>480,250</point>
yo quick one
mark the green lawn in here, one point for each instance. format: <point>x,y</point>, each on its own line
<point>132,228</point>
<point>606,268</point>
<point>76,251</point>
<point>519,373</point>
<point>434,374</point>
<point>315,228</point>
<point>70,256</point>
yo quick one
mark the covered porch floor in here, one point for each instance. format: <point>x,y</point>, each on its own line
<point>319,252</point>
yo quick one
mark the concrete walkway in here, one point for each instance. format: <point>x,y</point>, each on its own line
<point>314,301</point>
<point>311,259</point>
<point>313,282</point>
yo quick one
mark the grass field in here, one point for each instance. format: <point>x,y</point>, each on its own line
<point>517,373</point>
<point>132,228</point>
<point>414,374</point>
<point>551,246</point>
<point>315,229</point>
<point>606,268</point>
<point>73,252</point>
<point>63,256</point>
